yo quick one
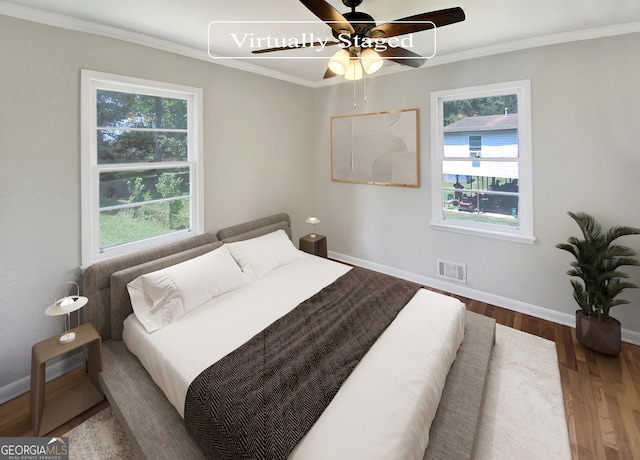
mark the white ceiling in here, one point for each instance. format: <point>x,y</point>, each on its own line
<point>204,28</point>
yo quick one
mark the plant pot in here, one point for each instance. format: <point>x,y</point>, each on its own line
<point>601,336</point>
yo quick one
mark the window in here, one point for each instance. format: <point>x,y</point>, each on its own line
<point>481,171</point>
<point>141,164</point>
<point>475,146</point>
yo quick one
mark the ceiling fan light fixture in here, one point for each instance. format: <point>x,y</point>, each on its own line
<point>371,61</point>
<point>339,62</point>
<point>354,70</point>
<point>354,29</point>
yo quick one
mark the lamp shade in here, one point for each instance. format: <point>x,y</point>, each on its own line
<point>65,306</point>
<point>354,70</point>
<point>339,62</point>
<point>312,221</point>
<point>371,61</point>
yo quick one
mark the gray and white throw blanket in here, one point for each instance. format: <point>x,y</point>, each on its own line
<point>261,399</point>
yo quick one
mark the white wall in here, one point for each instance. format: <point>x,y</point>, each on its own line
<point>256,160</point>
<point>586,157</point>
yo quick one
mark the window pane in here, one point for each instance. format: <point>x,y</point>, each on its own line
<point>118,146</point>
<point>126,225</point>
<point>128,110</point>
<point>486,127</point>
<point>124,187</point>
<point>482,194</point>
<point>481,199</point>
<point>478,128</point>
<point>475,146</point>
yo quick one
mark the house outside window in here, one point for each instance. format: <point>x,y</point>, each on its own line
<point>141,164</point>
<point>482,173</point>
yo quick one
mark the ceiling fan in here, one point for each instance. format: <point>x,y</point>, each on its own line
<point>364,43</point>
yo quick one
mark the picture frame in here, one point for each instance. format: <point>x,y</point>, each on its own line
<point>376,148</point>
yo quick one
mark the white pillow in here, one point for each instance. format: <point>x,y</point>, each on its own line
<point>159,298</point>
<point>258,256</point>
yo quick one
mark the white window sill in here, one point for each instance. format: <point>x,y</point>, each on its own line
<point>497,235</point>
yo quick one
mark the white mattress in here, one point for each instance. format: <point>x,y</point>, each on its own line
<point>382,411</point>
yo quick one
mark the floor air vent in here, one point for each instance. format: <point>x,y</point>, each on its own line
<point>452,271</point>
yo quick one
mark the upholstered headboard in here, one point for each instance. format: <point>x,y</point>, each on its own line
<point>105,282</point>
<point>256,228</point>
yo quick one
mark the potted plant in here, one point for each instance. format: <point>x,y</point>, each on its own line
<point>596,265</point>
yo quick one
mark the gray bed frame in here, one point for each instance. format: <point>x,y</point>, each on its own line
<point>155,428</point>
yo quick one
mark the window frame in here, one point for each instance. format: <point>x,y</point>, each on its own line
<point>91,82</point>
<point>524,233</point>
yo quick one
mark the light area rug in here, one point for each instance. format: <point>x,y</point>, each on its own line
<point>523,413</point>
<point>101,438</point>
<point>523,416</point>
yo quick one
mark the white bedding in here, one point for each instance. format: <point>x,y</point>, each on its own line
<point>383,410</point>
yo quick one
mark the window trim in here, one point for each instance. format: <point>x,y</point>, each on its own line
<point>90,170</point>
<point>523,234</point>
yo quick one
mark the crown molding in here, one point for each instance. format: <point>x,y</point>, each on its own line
<point>81,25</point>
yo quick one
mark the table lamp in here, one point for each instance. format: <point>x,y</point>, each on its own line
<point>65,306</point>
<point>313,221</point>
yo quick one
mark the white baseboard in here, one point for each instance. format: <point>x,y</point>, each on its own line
<point>464,291</point>
<point>23,385</point>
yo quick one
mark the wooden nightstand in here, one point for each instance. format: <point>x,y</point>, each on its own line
<point>50,414</point>
<point>316,246</point>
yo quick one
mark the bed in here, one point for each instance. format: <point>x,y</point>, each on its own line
<point>149,400</point>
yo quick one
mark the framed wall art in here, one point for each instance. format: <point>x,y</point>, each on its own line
<point>376,148</point>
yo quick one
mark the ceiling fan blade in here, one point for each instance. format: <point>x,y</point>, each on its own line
<point>330,15</point>
<point>302,45</point>
<point>403,56</point>
<point>418,23</point>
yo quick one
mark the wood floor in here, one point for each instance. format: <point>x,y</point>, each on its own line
<point>601,393</point>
